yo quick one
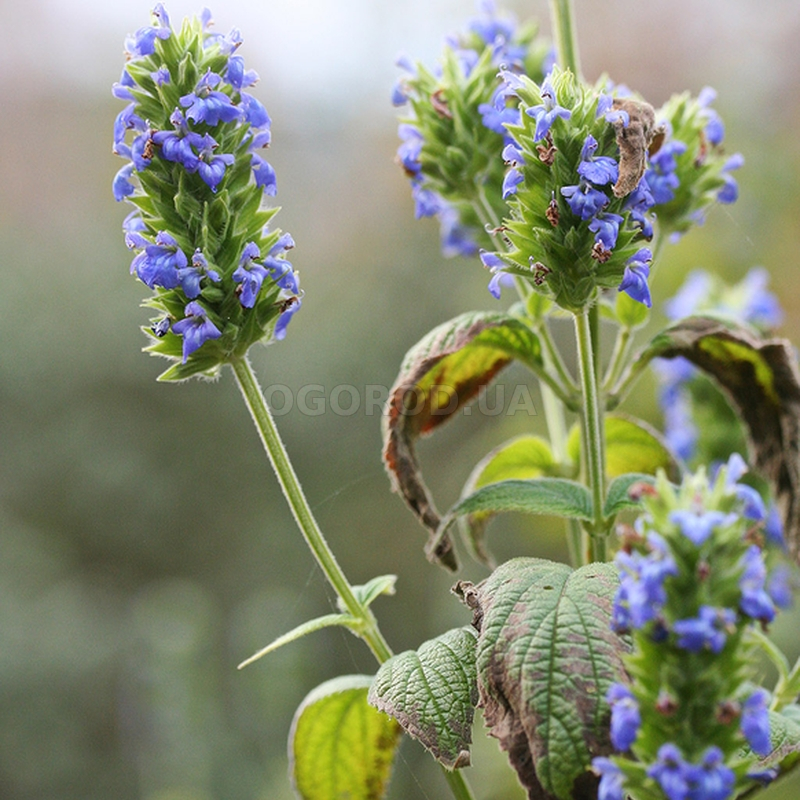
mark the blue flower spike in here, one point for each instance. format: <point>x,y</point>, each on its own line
<point>693,579</point>
<point>193,135</point>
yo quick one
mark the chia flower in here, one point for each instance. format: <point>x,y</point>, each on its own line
<point>625,717</point>
<point>611,779</point>
<point>599,170</point>
<point>755,722</point>
<point>715,128</point>
<point>708,630</point>
<point>548,111</point>
<point>196,329</point>
<point>755,601</point>
<point>606,229</point>
<point>671,772</point>
<point>729,193</point>
<point>697,526</point>
<point>188,133</point>
<point>711,779</point>
<point>584,200</point>
<point>634,280</point>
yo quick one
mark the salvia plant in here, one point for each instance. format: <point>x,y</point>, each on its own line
<point>632,671</point>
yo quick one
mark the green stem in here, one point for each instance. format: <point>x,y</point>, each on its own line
<point>293,492</point>
<point>593,444</point>
<point>619,356</point>
<point>562,17</point>
<point>554,357</point>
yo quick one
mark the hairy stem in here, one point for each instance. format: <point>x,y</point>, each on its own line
<point>593,434</point>
<point>293,492</point>
<point>562,17</point>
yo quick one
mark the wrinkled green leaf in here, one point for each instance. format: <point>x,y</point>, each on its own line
<point>520,458</point>
<point>432,693</point>
<point>546,658</point>
<point>784,731</point>
<point>446,370</point>
<point>557,496</point>
<point>339,746</point>
<point>631,446</point>
<point>760,378</point>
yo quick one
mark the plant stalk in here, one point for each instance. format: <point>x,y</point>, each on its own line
<point>594,434</point>
<point>295,497</point>
<point>562,17</point>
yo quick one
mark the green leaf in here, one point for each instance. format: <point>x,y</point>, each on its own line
<point>557,496</point>
<point>618,496</point>
<point>366,594</point>
<point>631,446</point>
<point>432,693</point>
<point>546,658</point>
<point>303,630</point>
<point>445,371</point>
<point>784,732</point>
<point>761,381</point>
<point>522,457</point>
<point>630,313</point>
<point>339,746</point>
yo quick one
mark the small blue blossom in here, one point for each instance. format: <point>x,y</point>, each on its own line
<point>211,166</point>
<point>410,148</point>
<point>427,203</point>
<point>715,128</point>
<point>708,630</point>
<point>761,307</point>
<point>625,717</point>
<point>293,306</point>
<point>121,185</point>
<point>255,114</point>
<point>237,76</point>
<point>661,177</point>
<point>698,525</point>
<point>179,145</point>
<point>495,265</point>
<point>729,193</point>
<point>158,264</point>
<point>208,105</point>
<point>584,200</point>
<point>456,239</point>
<point>611,779</point>
<point>161,76</point>
<point>755,601</point>
<point>190,277</point>
<point>512,179</point>
<point>250,275</point>
<point>637,204</point>
<point>711,779</point>
<point>690,297</point>
<point>122,89</point>
<point>671,772</point>
<point>264,174</point>
<point>196,329</point>
<point>143,42</point>
<point>606,229</point>
<point>755,722</point>
<point>779,586</point>
<point>546,113</point>
<point>280,270</point>
<point>600,170</point>
<point>773,527</point>
<point>634,279</point>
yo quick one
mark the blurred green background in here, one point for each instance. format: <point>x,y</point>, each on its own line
<point>144,548</point>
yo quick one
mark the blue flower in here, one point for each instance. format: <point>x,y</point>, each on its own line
<point>755,601</point>
<point>250,275</point>
<point>495,265</point>
<point>625,717</point>
<point>143,42</point>
<point>755,722</point>
<point>715,128</point>
<point>634,279</point>
<point>600,170</point>
<point>211,166</point>
<point>427,203</point>
<point>457,239</point>
<point>661,177</point>
<point>196,329</point>
<point>691,296</point>
<point>158,264</point>
<point>729,193</point>
<point>711,779</point>
<point>512,179</point>
<point>773,527</point>
<point>410,148</point>
<point>671,772</point>
<point>190,277</point>
<point>611,779</point>
<point>708,630</point>
<point>546,113</point>
<point>606,229</point>
<point>697,526</point>
<point>637,204</point>
<point>207,105</point>
<point>292,307</point>
<point>237,76</point>
<point>779,586</point>
<point>122,186</point>
<point>761,307</point>
<point>264,174</point>
<point>584,200</point>
<point>179,145</point>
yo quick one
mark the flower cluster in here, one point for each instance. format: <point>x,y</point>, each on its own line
<point>192,134</point>
<point>693,579</point>
<point>682,390</point>
<point>452,136</point>
<point>590,170</point>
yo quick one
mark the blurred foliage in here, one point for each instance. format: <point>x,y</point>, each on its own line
<point>145,548</point>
